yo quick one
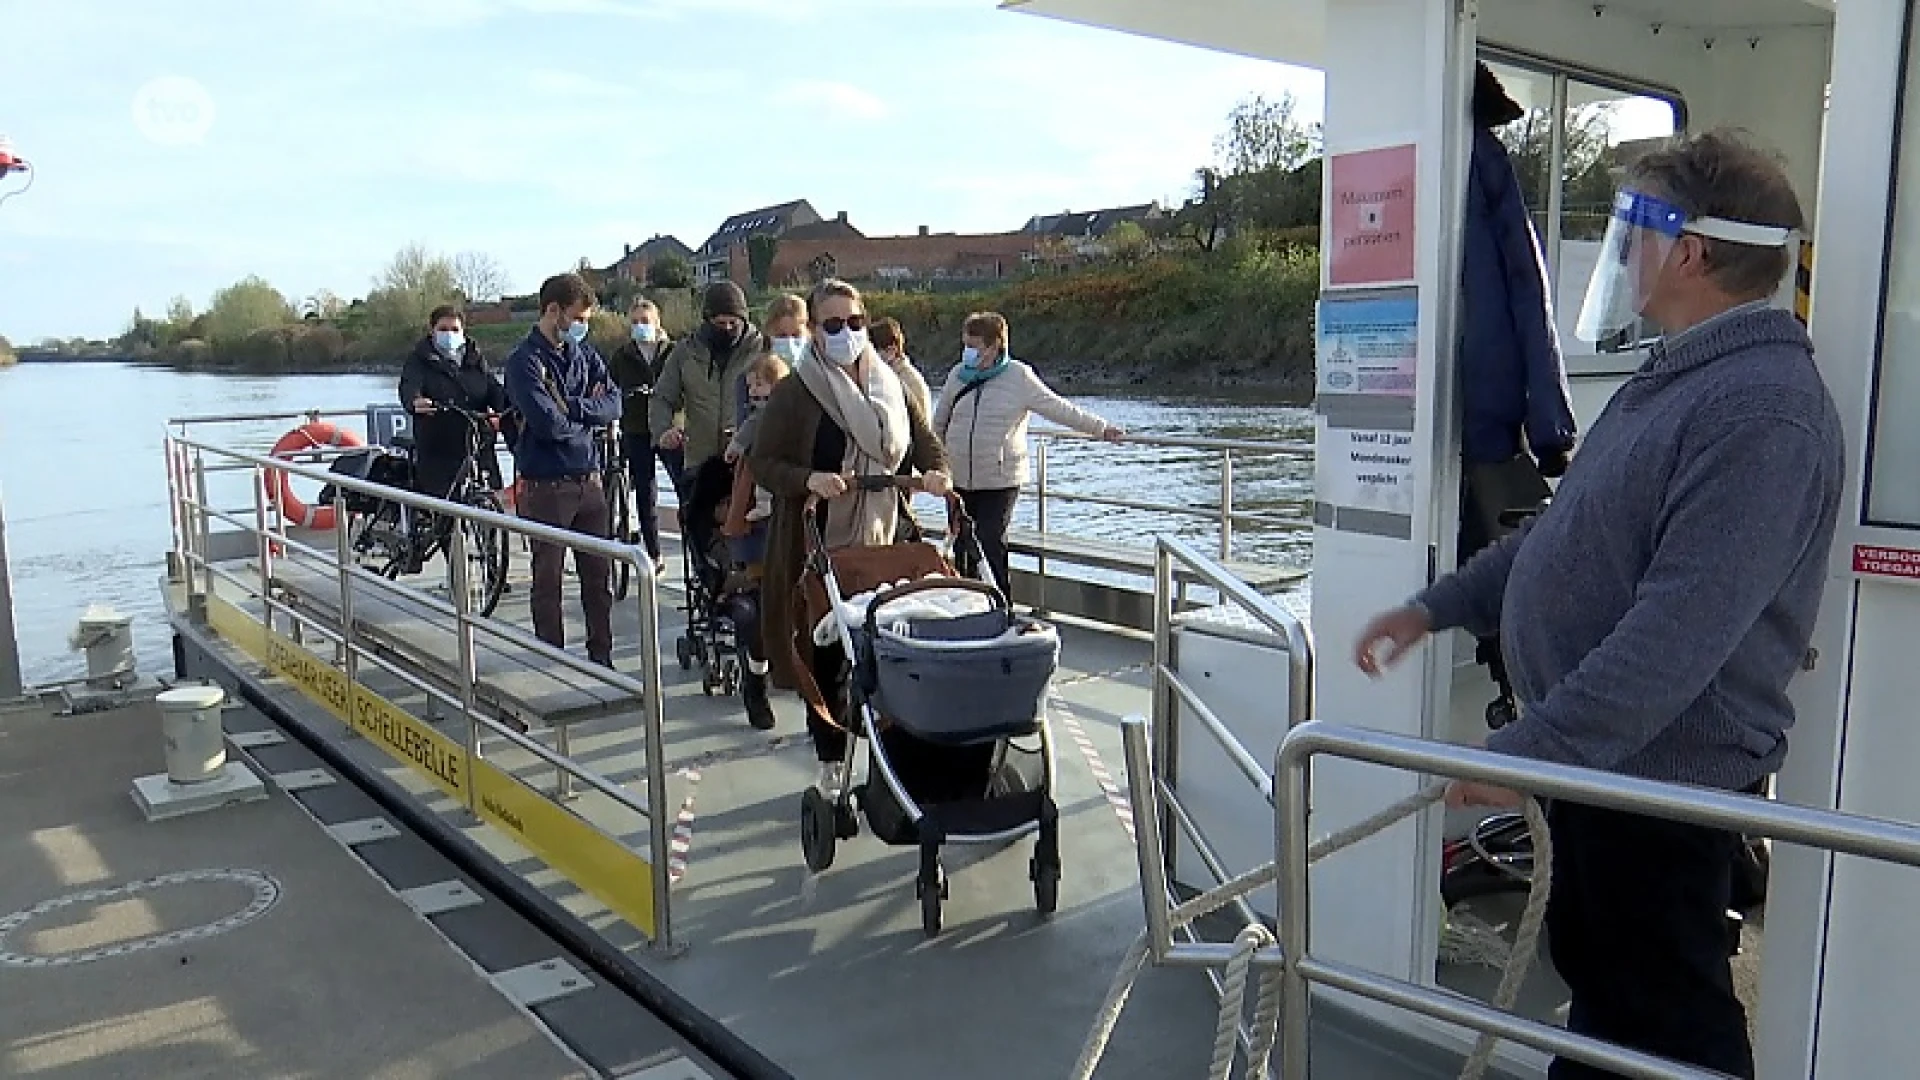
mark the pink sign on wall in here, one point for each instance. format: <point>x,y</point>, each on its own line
<point>1370,217</point>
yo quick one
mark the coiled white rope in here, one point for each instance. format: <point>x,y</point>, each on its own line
<point>1266,1013</point>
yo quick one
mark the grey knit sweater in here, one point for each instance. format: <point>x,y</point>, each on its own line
<point>1653,616</point>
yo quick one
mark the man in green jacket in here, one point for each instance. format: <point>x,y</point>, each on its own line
<point>700,377</point>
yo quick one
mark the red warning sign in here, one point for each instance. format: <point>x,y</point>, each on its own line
<point>1886,561</point>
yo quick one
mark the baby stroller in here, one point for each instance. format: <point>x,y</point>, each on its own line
<point>939,699</point>
<point>711,638</point>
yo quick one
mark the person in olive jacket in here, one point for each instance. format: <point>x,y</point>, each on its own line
<point>635,368</point>
<point>701,381</point>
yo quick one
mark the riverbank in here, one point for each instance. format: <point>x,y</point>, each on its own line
<point>1238,319</point>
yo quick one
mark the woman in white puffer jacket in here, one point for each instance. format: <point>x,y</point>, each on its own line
<point>982,421</point>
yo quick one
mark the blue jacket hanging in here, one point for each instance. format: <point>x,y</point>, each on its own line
<point>1512,376</point>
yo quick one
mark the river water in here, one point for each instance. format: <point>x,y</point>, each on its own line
<point>87,521</point>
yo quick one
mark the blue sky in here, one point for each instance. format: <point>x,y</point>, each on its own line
<point>541,131</point>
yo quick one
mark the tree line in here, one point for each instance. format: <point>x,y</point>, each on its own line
<point>1262,194</point>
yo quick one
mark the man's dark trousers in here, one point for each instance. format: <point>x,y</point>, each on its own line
<point>1637,927</point>
<point>578,504</point>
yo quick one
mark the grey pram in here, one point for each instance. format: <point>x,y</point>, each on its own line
<point>944,703</point>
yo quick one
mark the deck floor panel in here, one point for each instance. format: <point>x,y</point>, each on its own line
<point>830,975</point>
<point>337,978</point>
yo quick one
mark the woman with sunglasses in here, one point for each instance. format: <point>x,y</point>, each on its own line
<point>844,413</point>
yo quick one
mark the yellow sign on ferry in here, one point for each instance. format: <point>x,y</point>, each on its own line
<point>601,866</point>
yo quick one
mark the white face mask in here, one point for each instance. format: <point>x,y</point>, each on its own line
<point>846,346</point>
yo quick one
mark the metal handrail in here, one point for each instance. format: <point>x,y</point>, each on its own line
<point>1152,775</point>
<point>192,514</point>
<point>1223,514</point>
<point>1747,815</point>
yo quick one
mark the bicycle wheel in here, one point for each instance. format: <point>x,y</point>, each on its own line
<point>619,528</point>
<point>488,555</point>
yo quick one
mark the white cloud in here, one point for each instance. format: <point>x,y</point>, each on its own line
<point>554,82</point>
<point>837,99</point>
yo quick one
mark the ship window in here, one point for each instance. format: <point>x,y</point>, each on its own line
<point>1579,130</point>
<point>1893,445</point>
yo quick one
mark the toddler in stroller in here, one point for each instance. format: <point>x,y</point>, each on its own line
<point>723,601</point>
<point>945,678</point>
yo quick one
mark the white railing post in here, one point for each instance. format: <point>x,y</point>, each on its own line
<point>1166,722</point>
<point>1226,505</point>
<point>206,524</point>
<point>654,719</point>
<point>342,560</point>
<point>1290,834</point>
<point>263,545</point>
<point>1040,526</point>
<point>459,582</point>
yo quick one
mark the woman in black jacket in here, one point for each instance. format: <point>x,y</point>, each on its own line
<point>447,369</point>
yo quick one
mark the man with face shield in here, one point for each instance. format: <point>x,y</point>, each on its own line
<point>1653,616</point>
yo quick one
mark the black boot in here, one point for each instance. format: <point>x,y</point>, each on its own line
<point>753,691</point>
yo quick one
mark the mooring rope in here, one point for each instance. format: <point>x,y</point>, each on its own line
<point>1266,1013</point>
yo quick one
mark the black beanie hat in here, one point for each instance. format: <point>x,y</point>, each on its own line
<point>724,298</point>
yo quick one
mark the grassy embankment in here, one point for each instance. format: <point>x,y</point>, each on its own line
<point>1240,318</point>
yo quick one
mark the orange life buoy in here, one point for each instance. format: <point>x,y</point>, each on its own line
<point>318,435</point>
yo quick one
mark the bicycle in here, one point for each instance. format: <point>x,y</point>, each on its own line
<point>406,540</point>
<point>613,481</point>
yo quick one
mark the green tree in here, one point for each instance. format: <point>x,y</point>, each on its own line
<point>1206,217</point>
<point>670,271</point>
<point>1265,135</point>
<point>244,307</point>
<point>761,249</point>
<point>1128,243</point>
<point>142,336</point>
<point>407,291</point>
<point>478,277</point>
<point>1588,155</point>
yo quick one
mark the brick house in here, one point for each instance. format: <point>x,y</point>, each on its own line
<point>724,255</point>
<point>634,264</point>
<point>1084,234</point>
<point>803,259</point>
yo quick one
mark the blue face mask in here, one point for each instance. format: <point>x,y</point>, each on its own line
<point>970,356</point>
<point>449,342</point>
<point>577,333</point>
<point>791,349</point>
<point>642,333</point>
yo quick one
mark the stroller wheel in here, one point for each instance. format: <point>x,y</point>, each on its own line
<point>683,652</point>
<point>846,823</point>
<point>1046,886</point>
<point>816,830</point>
<point>931,894</point>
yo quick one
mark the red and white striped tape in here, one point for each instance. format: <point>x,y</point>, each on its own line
<point>682,841</point>
<point>1116,798</point>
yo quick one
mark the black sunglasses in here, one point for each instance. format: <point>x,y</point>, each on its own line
<point>837,324</point>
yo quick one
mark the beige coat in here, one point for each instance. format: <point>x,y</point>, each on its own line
<point>985,431</point>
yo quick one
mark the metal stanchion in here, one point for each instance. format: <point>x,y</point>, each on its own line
<point>654,718</point>
<point>456,548</point>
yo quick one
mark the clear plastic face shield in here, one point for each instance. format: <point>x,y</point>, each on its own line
<point>1640,236</point>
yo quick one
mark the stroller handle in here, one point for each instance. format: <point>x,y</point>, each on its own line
<point>888,596</point>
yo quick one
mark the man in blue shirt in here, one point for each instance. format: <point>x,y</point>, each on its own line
<point>560,387</point>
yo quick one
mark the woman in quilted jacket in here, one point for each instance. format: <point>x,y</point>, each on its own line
<point>982,421</point>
